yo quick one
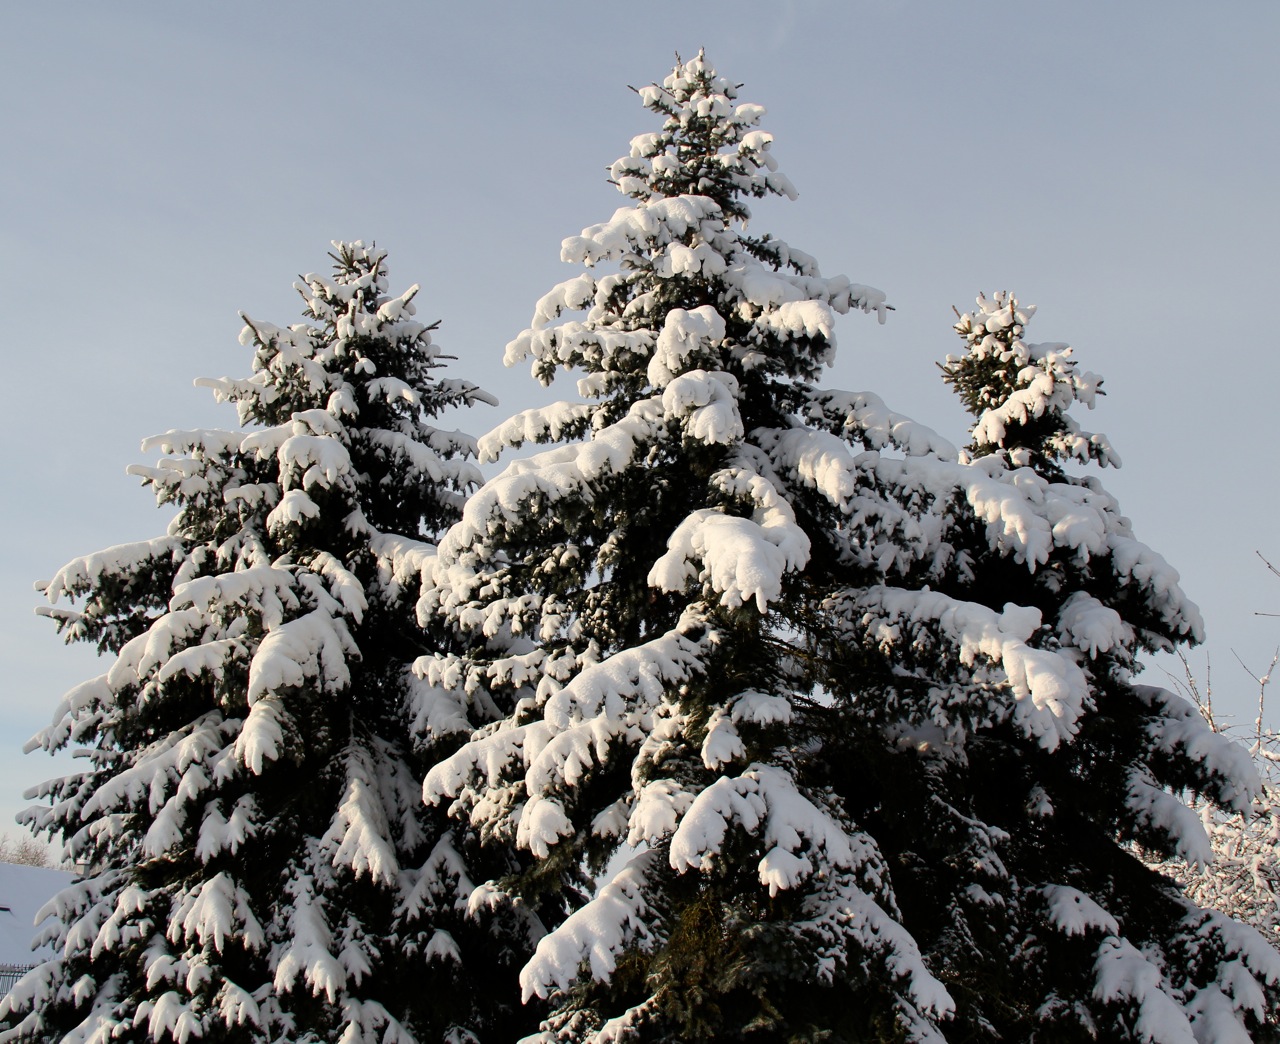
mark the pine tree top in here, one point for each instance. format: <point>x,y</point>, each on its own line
<point>1021,392</point>
<point>708,146</point>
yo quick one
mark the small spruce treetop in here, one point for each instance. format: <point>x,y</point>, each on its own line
<point>1021,392</point>
<point>708,145</point>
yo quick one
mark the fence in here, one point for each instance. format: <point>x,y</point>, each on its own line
<point>10,974</point>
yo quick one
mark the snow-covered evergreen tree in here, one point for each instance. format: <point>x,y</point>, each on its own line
<point>853,715</point>
<point>999,654</point>
<point>646,590</point>
<point>260,864</point>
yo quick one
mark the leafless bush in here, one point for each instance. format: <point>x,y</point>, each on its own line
<point>25,850</point>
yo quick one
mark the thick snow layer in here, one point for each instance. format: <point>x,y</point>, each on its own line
<point>599,348</point>
<point>1091,626</point>
<point>360,829</point>
<point>24,890</point>
<point>743,559</point>
<point>1049,688</point>
<point>631,233</point>
<point>613,698</point>
<point>1177,729</point>
<point>1073,912</point>
<point>684,335</point>
<point>553,474</point>
<point>81,573</point>
<point>1027,517</point>
<point>723,742</point>
<point>1124,976</point>
<point>1214,1018</point>
<point>764,800</point>
<point>218,910</point>
<point>706,405</point>
<point>543,424</point>
<point>844,922</point>
<point>1155,809</point>
<point>596,934</point>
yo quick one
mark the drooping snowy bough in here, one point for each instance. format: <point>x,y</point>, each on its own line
<point>848,715</point>
<point>260,864</point>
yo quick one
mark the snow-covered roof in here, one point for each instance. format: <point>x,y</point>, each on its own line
<point>23,891</point>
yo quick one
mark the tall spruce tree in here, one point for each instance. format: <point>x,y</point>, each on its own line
<point>648,593</point>
<point>259,862</point>
<point>854,715</point>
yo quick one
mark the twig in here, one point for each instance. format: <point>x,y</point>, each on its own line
<point>1267,564</point>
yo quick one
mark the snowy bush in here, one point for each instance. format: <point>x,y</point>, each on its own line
<point>1243,878</point>
<point>25,851</point>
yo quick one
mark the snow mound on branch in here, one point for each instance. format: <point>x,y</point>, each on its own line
<point>1122,975</point>
<point>1049,688</point>
<point>1074,913</point>
<point>685,334</point>
<point>619,916</point>
<point>744,559</point>
<point>706,405</point>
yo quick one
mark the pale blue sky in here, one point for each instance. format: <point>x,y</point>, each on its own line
<point>167,165</point>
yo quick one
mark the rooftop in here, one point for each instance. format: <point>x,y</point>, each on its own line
<point>23,891</point>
